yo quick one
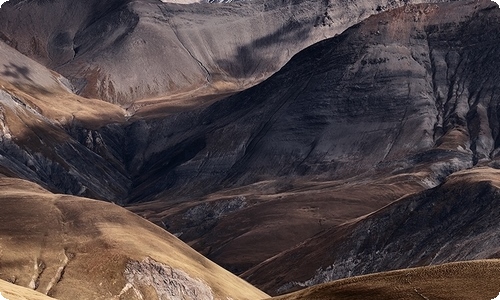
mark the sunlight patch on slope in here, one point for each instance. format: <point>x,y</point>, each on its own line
<point>10,291</point>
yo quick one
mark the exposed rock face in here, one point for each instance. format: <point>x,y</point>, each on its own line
<point>169,48</point>
<point>457,221</point>
<point>207,213</point>
<point>167,282</point>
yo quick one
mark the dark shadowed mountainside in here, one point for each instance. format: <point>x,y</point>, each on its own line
<point>402,111</point>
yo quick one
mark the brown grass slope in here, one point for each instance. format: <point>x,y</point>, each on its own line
<point>69,247</point>
<point>15,292</point>
<point>241,227</point>
<point>475,280</point>
<point>456,221</point>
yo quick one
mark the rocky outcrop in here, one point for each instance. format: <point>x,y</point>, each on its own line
<point>167,282</point>
<point>208,213</point>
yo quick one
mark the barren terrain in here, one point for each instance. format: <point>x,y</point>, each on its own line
<point>291,142</point>
<point>456,221</point>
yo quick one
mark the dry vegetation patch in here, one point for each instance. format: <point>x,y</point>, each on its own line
<point>65,246</point>
<point>463,280</point>
<point>14,292</point>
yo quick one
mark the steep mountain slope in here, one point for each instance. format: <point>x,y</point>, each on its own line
<point>124,50</point>
<point>399,102</point>
<point>242,227</point>
<point>453,222</point>
<point>407,97</point>
<point>98,31</point>
<point>465,280</point>
<point>37,112</point>
<point>65,246</point>
<point>333,112</point>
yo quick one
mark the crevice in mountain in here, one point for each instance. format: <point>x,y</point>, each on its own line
<point>207,72</point>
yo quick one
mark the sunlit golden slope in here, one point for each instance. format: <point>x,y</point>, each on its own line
<point>472,280</point>
<point>65,246</point>
<point>14,292</point>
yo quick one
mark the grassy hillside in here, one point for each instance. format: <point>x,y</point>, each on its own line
<point>472,280</point>
<point>65,246</point>
<point>14,292</point>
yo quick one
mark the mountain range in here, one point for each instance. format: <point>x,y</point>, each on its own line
<point>293,143</point>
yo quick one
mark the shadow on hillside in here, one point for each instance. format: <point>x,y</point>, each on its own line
<point>260,55</point>
<point>16,72</point>
<point>20,77</point>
